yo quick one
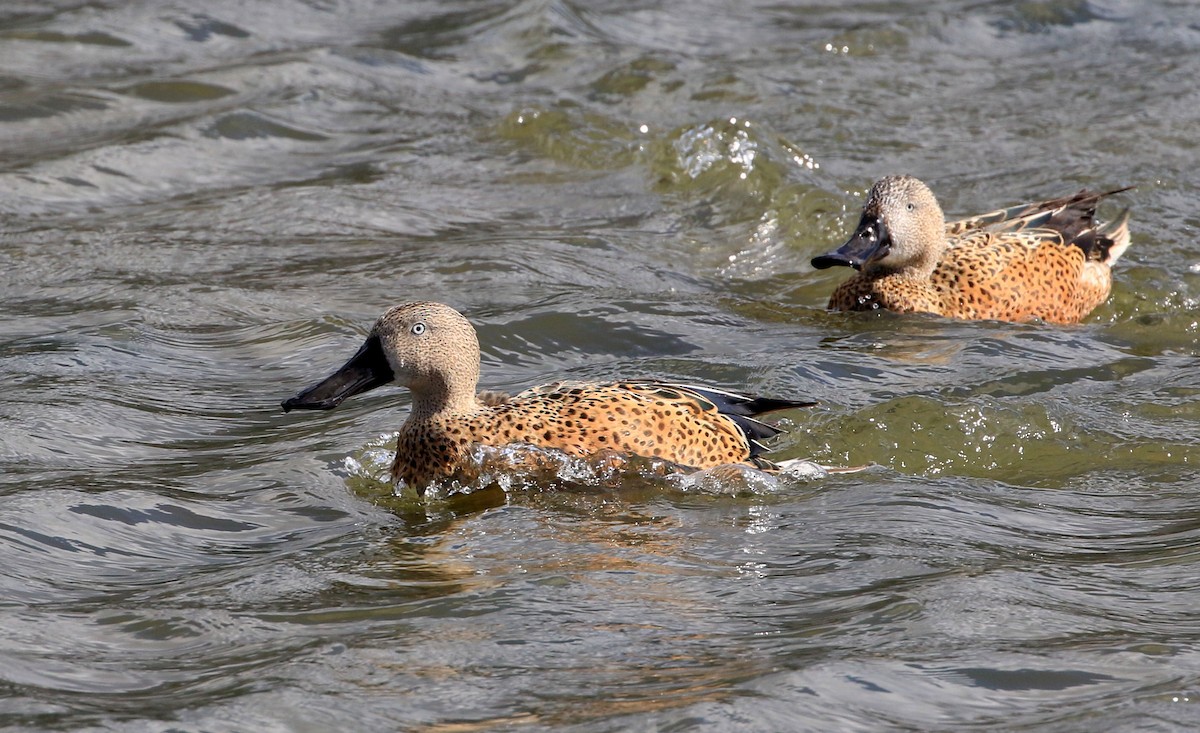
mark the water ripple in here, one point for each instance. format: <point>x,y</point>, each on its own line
<point>207,208</point>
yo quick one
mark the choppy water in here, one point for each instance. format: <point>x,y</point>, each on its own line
<point>203,209</point>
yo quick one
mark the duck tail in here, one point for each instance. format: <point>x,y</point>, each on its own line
<point>732,403</point>
<point>743,410</point>
<point>1117,234</point>
<point>1104,245</point>
<point>755,430</point>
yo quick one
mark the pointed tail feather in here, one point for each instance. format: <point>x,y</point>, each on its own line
<point>1104,245</point>
<point>732,403</point>
<point>742,410</point>
<point>1117,232</point>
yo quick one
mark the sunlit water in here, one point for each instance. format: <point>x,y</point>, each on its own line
<point>204,209</point>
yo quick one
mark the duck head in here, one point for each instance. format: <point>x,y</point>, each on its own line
<point>902,228</point>
<point>430,348</point>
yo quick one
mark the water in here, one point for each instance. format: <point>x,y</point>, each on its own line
<point>204,210</point>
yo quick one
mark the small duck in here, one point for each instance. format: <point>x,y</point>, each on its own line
<point>1047,260</point>
<point>431,349</point>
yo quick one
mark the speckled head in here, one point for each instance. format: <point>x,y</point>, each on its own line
<point>428,347</point>
<point>902,228</point>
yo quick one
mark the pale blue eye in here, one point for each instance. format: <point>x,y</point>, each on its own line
<point>417,329</point>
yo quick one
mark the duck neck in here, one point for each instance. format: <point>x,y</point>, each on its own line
<point>939,242</point>
<point>921,267</point>
<point>439,399</point>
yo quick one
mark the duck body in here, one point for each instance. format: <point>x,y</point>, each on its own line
<point>433,350</point>
<point>685,425</point>
<point>1047,260</point>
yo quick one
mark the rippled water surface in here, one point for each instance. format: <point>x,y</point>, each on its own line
<point>205,206</point>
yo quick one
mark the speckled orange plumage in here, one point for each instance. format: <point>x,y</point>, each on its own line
<point>665,421</point>
<point>1046,260</point>
<point>433,350</point>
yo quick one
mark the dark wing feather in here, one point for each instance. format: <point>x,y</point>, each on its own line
<point>742,410</point>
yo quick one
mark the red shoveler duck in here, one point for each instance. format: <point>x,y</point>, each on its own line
<point>1048,260</point>
<point>431,349</point>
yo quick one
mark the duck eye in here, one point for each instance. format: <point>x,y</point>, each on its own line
<point>911,206</point>
<point>417,329</point>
